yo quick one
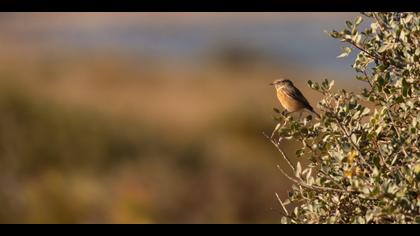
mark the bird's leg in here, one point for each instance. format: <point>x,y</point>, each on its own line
<point>285,112</point>
<point>300,114</point>
<point>291,114</point>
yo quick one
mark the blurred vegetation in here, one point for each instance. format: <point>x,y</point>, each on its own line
<point>97,133</point>
<point>365,165</point>
<point>82,139</point>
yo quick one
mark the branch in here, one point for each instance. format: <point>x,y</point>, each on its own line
<point>380,23</point>
<point>282,205</point>
<point>351,141</point>
<point>392,121</point>
<point>330,178</point>
<point>381,155</point>
<point>313,187</point>
<point>346,133</point>
<point>377,57</point>
<point>281,151</point>
<point>396,131</point>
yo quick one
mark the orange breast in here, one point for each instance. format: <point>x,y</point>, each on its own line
<point>291,105</point>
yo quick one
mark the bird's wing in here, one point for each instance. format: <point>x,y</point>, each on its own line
<point>297,95</point>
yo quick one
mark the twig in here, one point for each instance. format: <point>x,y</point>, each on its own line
<point>352,143</point>
<point>281,151</point>
<point>381,155</point>
<point>275,129</point>
<point>390,117</point>
<point>375,56</point>
<point>312,187</point>
<point>346,133</point>
<point>367,79</point>
<point>282,205</point>
<point>396,131</point>
<point>380,23</point>
<point>330,178</point>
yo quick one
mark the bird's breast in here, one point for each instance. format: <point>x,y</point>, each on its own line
<point>290,104</point>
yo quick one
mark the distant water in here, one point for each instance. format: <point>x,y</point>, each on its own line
<point>301,42</point>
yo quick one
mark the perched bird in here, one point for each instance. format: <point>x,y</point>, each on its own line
<point>290,97</point>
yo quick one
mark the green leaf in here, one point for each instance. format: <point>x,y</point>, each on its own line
<point>331,84</point>
<point>298,170</point>
<point>365,112</point>
<point>406,87</point>
<point>374,26</point>
<point>346,52</point>
<point>361,78</point>
<point>300,153</point>
<point>361,220</point>
<point>358,20</point>
<point>308,174</point>
<point>408,18</point>
<point>385,47</point>
<point>310,83</point>
<point>354,138</point>
<point>375,172</point>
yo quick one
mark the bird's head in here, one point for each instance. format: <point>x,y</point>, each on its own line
<point>281,83</point>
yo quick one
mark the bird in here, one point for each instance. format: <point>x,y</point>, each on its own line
<point>290,97</point>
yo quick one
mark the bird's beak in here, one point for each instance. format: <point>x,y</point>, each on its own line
<point>271,84</point>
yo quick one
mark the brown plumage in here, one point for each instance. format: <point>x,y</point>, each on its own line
<point>290,97</point>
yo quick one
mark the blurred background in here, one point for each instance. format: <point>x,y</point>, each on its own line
<point>151,117</point>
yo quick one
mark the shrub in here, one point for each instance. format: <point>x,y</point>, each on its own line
<point>364,162</point>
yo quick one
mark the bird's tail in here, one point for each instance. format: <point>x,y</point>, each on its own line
<point>313,111</point>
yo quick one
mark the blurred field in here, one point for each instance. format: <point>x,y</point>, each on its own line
<point>101,135</point>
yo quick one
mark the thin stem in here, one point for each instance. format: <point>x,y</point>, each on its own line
<point>396,131</point>
<point>282,205</point>
<point>367,79</point>
<point>380,23</point>
<point>281,151</point>
<point>390,117</point>
<point>330,178</point>
<point>381,155</point>
<point>312,187</point>
<point>347,134</point>
<point>375,56</point>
